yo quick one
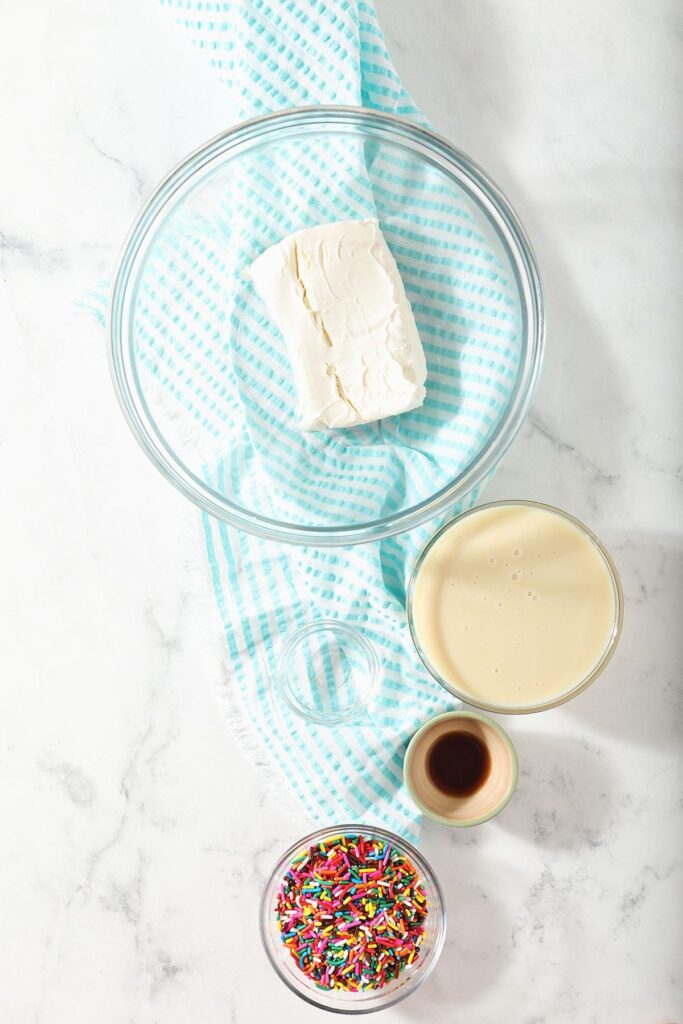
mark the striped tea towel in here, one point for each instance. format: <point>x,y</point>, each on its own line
<point>205,337</point>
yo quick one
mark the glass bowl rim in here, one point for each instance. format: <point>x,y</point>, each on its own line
<point>345,635</point>
<point>131,396</point>
<point>410,754</point>
<point>597,668</point>
<point>425,868</point>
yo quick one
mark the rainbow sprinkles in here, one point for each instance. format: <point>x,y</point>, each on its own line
<point>352,910</point>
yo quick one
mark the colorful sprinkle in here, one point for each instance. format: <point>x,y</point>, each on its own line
<point>352,910</point>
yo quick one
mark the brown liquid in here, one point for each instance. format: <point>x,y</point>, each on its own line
<point>458,763</point>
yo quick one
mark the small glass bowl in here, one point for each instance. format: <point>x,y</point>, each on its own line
<point>583,684</point>
<point>327,672</point>
<point>354,1002</point>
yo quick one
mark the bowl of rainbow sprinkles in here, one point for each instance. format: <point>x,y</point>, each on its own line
<point>352,918</point>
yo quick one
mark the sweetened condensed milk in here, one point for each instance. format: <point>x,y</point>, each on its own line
<point>514,605</point>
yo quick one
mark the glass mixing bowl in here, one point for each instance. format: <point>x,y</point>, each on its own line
<point>214,407</point>
<point>369,1000</point>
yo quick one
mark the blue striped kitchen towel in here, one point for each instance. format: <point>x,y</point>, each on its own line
<point>286,53</point>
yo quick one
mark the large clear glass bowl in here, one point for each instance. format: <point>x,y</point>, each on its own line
<point>370,1000</point>
<point>185,326</point>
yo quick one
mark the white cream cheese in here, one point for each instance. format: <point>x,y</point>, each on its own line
<point>336,294</point>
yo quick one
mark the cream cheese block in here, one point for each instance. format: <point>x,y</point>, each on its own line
<point>336,295</point>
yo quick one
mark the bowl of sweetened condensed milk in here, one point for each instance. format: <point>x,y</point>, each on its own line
<point>515,606</point>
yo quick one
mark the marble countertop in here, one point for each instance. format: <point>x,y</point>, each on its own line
<point>136,836</point>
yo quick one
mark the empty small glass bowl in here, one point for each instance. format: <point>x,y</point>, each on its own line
<point>327,672</point>
<point>354,1002</point>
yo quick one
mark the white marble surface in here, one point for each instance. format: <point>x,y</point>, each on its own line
<point>135,835</point>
